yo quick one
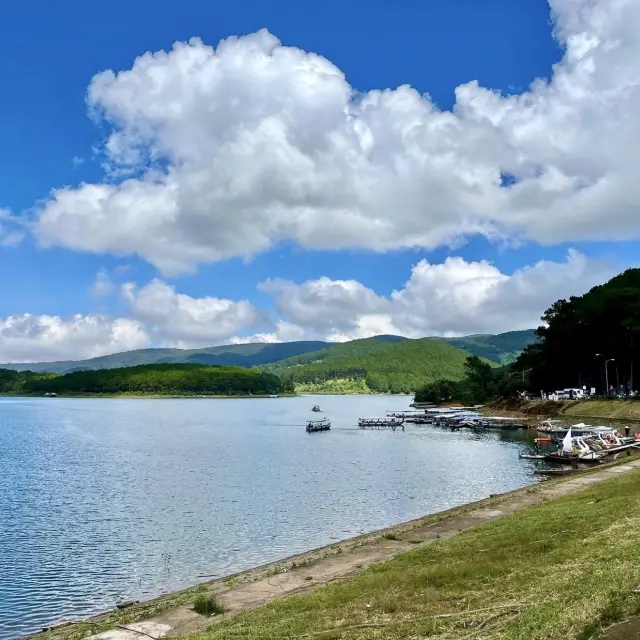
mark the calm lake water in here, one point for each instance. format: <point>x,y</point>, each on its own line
<point>104,500</point>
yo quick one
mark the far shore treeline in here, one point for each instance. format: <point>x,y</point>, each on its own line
<point>154,379</point>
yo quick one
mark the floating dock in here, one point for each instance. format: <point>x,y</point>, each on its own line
<point>386,422</point>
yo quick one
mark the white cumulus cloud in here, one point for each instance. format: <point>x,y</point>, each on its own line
<point>230,150</point>
<point>178,320</point>
<point>34,338</point>
<point>455,297</point>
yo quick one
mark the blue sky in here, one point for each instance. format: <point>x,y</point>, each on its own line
<point>53,139</point>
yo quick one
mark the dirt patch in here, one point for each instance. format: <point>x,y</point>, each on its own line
<point>629,630</point>
<point>530,407</point>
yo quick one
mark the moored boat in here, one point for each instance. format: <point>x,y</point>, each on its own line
<point>380,423</point>
<point>575,449</point>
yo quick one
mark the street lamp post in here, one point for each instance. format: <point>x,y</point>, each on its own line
<point>606,370</point>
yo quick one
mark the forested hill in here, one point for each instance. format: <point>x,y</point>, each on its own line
<point>239,355</point>
<point>502,348</point>
<point>371,365</point>
<point>158,379</point>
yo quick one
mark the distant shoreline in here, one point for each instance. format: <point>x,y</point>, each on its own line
<point>151,396</point>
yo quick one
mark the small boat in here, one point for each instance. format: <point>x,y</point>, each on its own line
<point>318,425</point>
<point>531,456</point>
<point>315,408</point>
<point>557,472</point>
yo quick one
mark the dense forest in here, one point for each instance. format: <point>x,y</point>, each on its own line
<point>373,365</point>
<point>502,348</point>
<point>481,383</point>
<point>152,379</point>
<point>583,335</point>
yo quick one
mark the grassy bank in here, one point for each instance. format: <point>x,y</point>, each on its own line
<point>337,386</point>
<point>614,409</point>
<point>563,569</point>
<point>604,409</point>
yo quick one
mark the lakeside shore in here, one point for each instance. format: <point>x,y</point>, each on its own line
<point>305,572</point>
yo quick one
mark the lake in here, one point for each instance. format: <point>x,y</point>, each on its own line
<point>103,500</point>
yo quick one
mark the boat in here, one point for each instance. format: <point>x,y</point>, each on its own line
<point>575,449</point>
<point>315,408</point>
<point>557,431</point>
<point>318,425</point>
<point>564,471</point>
<point>381,423</point>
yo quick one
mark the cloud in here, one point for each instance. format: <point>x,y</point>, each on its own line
<point>102,285</point>
<point>32,338</point>
<point>11,229</point>
<point>283,331</point>
<point>455,297</point>
<point>228,151</point>
<point>178,320</point>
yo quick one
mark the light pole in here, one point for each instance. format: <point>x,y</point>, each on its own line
<point>606,370</point>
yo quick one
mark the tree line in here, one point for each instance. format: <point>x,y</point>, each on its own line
<point>481,382</point>
<point>156,379</point>
<point>587,340</point>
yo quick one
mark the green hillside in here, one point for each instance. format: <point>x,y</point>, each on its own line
<point>151,379</point>
<point>502,348</point>
<point>240,355</point>
<point>371,365</point>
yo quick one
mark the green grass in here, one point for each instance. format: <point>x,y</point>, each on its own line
<point>335,386</point>
<point>207,605</point>
<point>563,569</point>
<point>613,409</point>
<point>390,536</point>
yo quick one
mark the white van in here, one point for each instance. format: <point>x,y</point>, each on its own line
<point>571,394</point>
